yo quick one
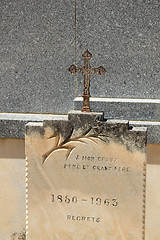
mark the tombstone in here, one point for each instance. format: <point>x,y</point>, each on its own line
<point>85,179</point>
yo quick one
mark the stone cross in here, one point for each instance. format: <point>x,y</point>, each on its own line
<point>86,70</point>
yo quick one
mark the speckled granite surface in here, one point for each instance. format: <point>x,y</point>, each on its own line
<point>123,36</point>
<point>38,44</point>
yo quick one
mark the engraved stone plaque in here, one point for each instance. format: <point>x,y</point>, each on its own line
<point>85,179</point>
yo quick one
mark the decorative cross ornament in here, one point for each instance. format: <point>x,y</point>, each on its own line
<point>86,70</point>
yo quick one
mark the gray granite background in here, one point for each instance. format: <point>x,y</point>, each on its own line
<point>123,36</point>
<point>37,47</point>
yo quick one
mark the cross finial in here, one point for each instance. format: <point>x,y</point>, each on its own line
<point>86,70</point>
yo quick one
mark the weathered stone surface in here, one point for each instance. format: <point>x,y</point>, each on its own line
<point>8,149</point>
<point>13,125</point>
<point>87,181</point>
<point>153,130</point>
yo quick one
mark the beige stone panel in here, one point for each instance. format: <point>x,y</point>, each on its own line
<point>153,193</point>
<point>12,189</point>
<point>153,203</point>
<point>86,188</point>
<point>153,153</point>
<point>12,148</point>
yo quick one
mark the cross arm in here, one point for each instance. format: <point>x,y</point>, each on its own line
<point>73,69</point>
<point>100,70</point>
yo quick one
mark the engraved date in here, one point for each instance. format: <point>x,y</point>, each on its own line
<point>92,200</point>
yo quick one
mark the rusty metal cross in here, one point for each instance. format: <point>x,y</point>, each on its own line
<point>86,70</point>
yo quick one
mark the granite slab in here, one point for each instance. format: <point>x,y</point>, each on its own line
<point>37,44</point>
<point>123,37</point>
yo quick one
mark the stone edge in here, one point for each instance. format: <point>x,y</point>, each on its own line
<point>123,108</point>
<point>13,125</point>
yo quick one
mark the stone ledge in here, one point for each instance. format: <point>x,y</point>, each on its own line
<point>124,108</point>
<point>12,125</point>
<point>153,130</point>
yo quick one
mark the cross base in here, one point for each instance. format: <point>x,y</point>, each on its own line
<point>86,107</point>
